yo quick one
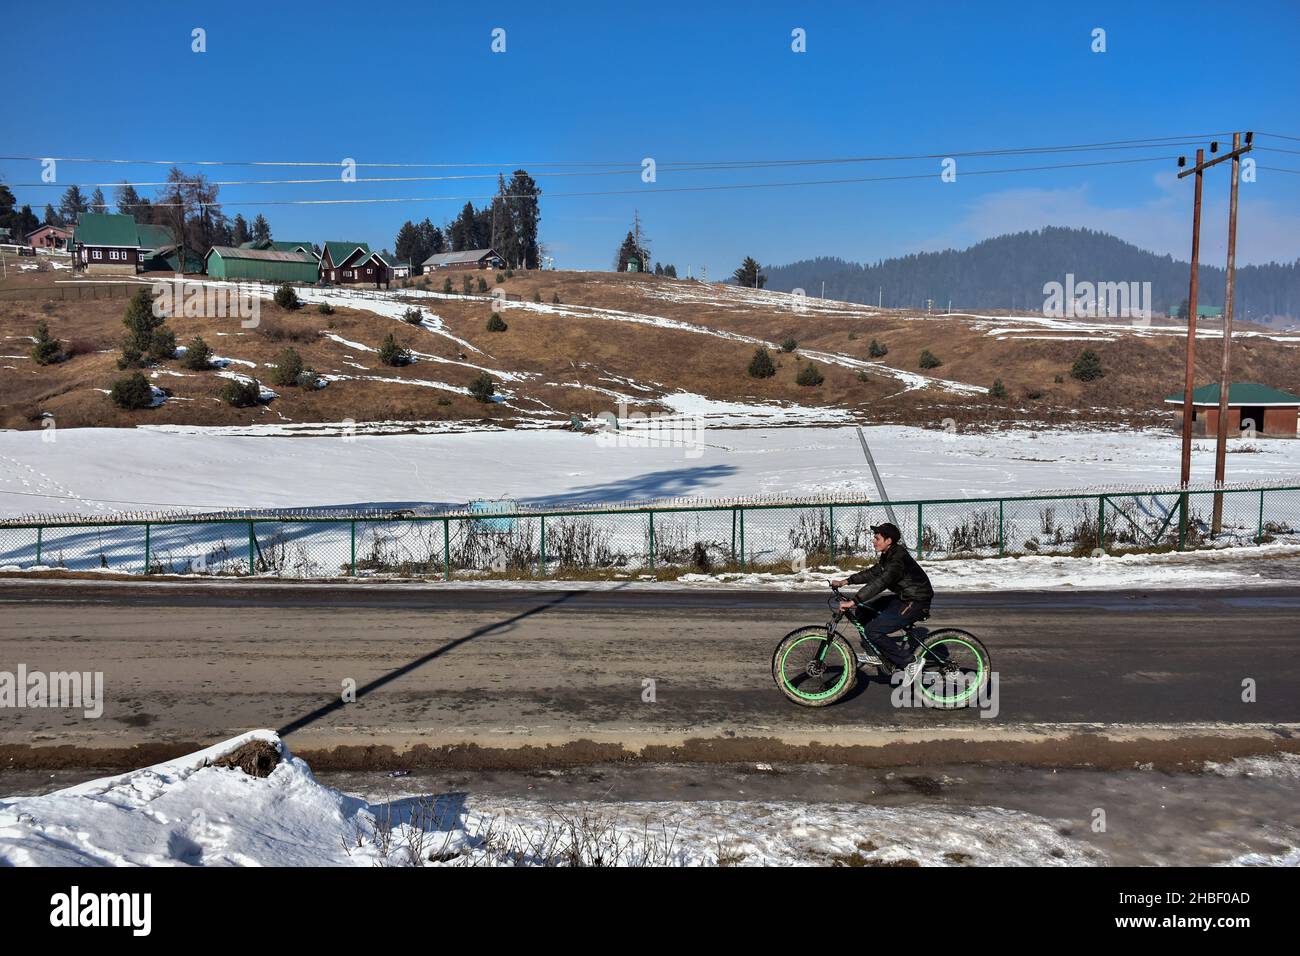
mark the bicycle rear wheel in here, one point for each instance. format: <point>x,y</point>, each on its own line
<point>957,669</point>
<point>807,677</point>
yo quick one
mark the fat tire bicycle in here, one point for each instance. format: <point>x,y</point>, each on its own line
<point>816,666</point>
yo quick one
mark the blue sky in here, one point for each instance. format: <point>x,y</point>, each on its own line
<point>614,83</point>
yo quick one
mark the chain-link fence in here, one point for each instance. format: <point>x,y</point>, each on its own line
<point>714,537</point>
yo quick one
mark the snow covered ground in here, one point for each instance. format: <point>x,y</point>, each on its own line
<point>189,812</point>
<point>104,470</point>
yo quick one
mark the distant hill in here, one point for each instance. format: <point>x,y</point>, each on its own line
<point>1008,272</point>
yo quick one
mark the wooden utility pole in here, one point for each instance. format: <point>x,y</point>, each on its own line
<point>1189,384</point>
<point>1221,448</point>
<point>1198,170</point>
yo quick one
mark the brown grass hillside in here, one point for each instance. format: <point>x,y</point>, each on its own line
<point>574,353</point>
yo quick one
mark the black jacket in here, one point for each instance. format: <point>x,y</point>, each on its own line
<point>896,571</point>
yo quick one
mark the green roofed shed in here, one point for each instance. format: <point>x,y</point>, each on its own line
<point>262,265</point>
<point>1252,407</point>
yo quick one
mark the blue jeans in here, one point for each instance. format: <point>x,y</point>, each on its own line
<point>887,613</point>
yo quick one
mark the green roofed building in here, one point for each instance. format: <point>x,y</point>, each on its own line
<point>281,245</point>
<point>1251,407</point>
<point>261,265</point>
<point>107,242</point>
<point>352,263</point>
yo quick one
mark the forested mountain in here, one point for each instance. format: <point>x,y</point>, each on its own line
<point>1008,272</point>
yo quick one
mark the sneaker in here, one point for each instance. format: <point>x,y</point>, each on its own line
<point>910,672</point>
<point>872,659</point>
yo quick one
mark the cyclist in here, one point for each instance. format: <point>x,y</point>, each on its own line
<point>897,571</point>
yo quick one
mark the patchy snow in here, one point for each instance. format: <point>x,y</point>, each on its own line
<point>910,380</point>
<point>394,380</point>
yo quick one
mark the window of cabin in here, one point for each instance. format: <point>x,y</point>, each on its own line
<point>97,254</point>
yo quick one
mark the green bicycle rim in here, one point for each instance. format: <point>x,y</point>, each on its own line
<point>822,696</point>
<point>961,698</point>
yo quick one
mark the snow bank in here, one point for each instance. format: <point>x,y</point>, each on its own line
<point>188,812</point>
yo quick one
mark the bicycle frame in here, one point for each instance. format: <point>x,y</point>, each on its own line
<point>913,632</point>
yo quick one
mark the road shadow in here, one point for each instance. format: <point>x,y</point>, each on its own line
<point>338,703</point>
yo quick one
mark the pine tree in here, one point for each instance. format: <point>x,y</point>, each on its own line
<point>409,245</point>
<point>929,359</point>
<point>127,199</point>
<point>482,387</point>
<point>147,335</point>
<point>97,201</point>
<point>628,252</point>
<point>761,365</point>
<point>52,218</point>
<point>670,272</point>
<point>462,229</point>
<point>241,394</point>
<point>47,349</point>
<point>73,204</point>
<point>998,390</point>
<point>876,350</point>
<point>525,215</point>
<point>659,270</point>
<point>285,297</point>
<point>750,274</point>
<point>198,355</point>
<point>240,234</point>
<point>132,392</point>
<point>261,228</point>
<point>288,366</point>
<point>1087,367</point>
<point>432,241</point>
<point>390,353</point>
<point>809,376</point>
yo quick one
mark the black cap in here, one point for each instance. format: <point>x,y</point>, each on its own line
<point>888,530</point>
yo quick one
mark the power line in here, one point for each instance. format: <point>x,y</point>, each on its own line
<point>1182,140</point>
<point>658,189</point>
<point>623,170</point>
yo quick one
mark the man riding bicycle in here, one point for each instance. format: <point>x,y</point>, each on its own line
<point>880,613</point>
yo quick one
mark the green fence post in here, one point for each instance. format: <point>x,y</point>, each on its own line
<point>146,547</point>
<point>252,546</point>
<point>1259,535</point>
<point>354,548</point>
<point>1101,522</point>
<point>920,530</point>
<point>652,539</point>
<point>733,536</point>
<point>1002,537</point>
<point>744,558</point>
<point>541,562</point>
<point>39,529</point>
<point>1183,505</point>
<point>446,549</point>
<point>831,509</point>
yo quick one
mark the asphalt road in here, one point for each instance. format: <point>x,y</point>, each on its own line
<point>475,674</point>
